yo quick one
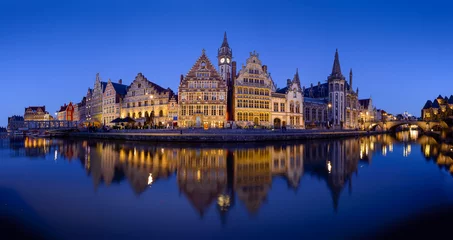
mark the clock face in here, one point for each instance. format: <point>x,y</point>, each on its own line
<point>228,60</point>
<point>222,60</point>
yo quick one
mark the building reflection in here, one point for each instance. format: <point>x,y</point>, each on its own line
<point>440,153</point>
<point>228,174</point>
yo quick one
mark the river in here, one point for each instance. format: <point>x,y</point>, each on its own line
<point>368,187</point>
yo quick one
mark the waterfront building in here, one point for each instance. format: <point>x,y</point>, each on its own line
<point>149,103</point>
<point>36,113</point>
<point>439,109</point>
<point>202,96</point>
<point>96,100</point>
<point>367,110</point>
<point>66,113</point>
<point>88,103</point>
<point>80,111</point>
<point>287,104</point>
<point>112,101</point>
<point>252,94</point>
<point>333,103</point>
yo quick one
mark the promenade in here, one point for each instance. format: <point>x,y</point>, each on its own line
<point>221,135</point>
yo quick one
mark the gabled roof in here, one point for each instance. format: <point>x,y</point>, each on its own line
<point>365,103</point>
<point>428,104</point>
<point>282,90</point>
<point>450,100</point>
<point>35,108</point>
<point>120,88</point>
<point>63,108</point>
<point>440,97</point>
<point>203,64</point>
<point>435,104</point>
<point>321,91</point>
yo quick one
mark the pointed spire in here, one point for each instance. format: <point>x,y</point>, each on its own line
<point>203,52</point>
<point>225,41</point>
<point>336,69</point>
<point>296,78</point>
<point>350,79</point>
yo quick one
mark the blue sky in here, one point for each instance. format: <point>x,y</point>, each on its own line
<point>50,51</point>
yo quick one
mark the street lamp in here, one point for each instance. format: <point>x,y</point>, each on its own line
<point>329,105</point>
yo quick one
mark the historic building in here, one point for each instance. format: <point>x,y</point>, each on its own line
<point>439,109</point>
<point>287,105</point>
<point>66,112</point>
<point>252,94</point>
<point>367,111</point>
<point>149,103</point>
<point>112,101</point>
<point>333,103</point>
<point>203,96</point>
<point>80,111</point>
<point>96,100</point>
<point>36,113</point>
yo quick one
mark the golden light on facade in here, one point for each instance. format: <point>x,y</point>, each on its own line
<point>56,155</point>
<point>427,150</point>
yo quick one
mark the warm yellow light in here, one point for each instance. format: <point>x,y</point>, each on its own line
<point>329,166</point>
<point>150,179</point>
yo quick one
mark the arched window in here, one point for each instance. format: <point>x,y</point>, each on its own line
<point>133,115</point>
<point>161,113</point>
<point>257,92</point>
<point>250,116</point>
<point>297,107</point>
<point>246,91</point>
<point>291,106</point>
<point>267,93</point>
<point>146,114</point>
<point>337,87</point>
<point>239,90</point>
<point>239,116</point>
<point>261,92</point>
<point>139,114</point>
<point>129,114</point>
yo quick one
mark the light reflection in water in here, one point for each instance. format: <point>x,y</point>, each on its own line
<point>223,174</point>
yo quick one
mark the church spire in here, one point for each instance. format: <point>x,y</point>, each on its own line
<point>225,41</point>
<point>296,77</point>
<point>350,79</point>
<point>336,69</point>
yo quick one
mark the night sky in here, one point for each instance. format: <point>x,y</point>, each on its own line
<point>50,51</point>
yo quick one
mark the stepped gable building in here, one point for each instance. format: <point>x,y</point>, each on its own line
<point>439,109</point>
<point>94,96</point>
<point>252,94</point>
<point>287,104</point>
<point>36,113</point>
<point>149,103</point>
<point>203,96</point>
<point>112,101</point>
<point>333,103</point>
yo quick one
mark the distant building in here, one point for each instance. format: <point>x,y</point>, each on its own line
<point>36,113</point>
<point>439,109</point>
<point>112,101</point>
<point>66,113</point>
<point>202,96</point>
<point>367,110</point>
<point>2,129</point>
<point>14,122</point>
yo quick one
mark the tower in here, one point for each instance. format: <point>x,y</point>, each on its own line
<point>224,56</point>
<point>350,79</point>
<point>336,82</point>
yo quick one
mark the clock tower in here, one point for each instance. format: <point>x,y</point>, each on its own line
<point>224,56</point>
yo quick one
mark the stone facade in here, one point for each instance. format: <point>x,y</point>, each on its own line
<point>148,103</point>
<point>202,96</point>
<point>367,111</point>
<point>252,94</point>
<point>112,101</point>
<point>439,109</point>
<point>287,105</point>
<point>36,113</point>
<point>339,98</point>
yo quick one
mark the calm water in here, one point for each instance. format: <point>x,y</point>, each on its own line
<point>368,187</point>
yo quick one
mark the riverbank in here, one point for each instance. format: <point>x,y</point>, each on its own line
<point>222,135</point>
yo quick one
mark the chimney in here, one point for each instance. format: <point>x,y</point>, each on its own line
<point>265,68</point>
<point>120,81</point>
<point>181,78</point>
<point>233,70</point>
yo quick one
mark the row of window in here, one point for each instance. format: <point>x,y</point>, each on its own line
<point>251,80</point>
<point>263,117</point>
<point>205,110</point>
<point>252,104</point>
<point>254,71</point>
<point>111,109</point>
<point>262,92</point>
<point>143,104</point>
<point>294,121</point>
<point>144,114</point>
<point>203,84</point>
<point>109,101</point>
<point>205,96</point>
<point>315,115</point>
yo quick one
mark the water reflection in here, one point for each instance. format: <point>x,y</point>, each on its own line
<point>223,174</point>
